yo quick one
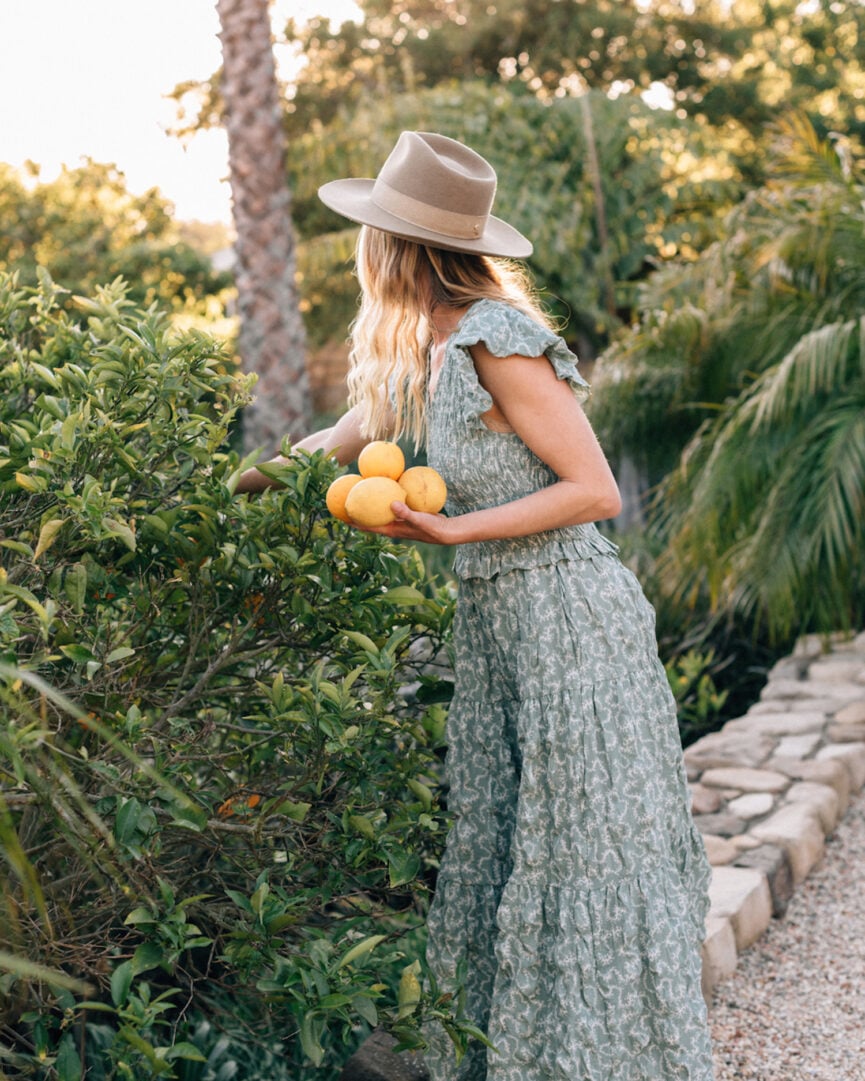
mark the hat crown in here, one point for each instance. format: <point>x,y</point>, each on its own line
<point>440,172</point>
<point>435,182</point>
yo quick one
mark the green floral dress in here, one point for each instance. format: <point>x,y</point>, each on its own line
<point>572,894</point>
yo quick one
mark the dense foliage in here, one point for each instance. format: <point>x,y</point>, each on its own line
<point>219,737</point>
<point>755,351</point>
<point>86,229</point>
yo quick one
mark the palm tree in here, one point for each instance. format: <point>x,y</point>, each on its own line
<point>767,506</point>
<point>272,341</point>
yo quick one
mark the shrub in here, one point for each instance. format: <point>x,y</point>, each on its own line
<point>219,736</point>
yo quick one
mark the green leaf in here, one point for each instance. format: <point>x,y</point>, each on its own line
<point>121,982</point>
<point>259,897</point>
<point>409,995</point>
<point>148,955</point>
<point>68,431</point>
<point>77,653</point>
<point>127,819</point>
<point>75,586</point>
<point>422,792</point>
<point>140,915</point>
<point>402,867</point>
<point>184,1050</point>
<point>360,949</point>
<point>68,1063</point>
<point>120,654</point>
<point>362,640</point>
<point>403,595</point>
<point>310,1037</point>
<point>296,811</point>
<point>367,1010</point>
<point>31,483</point>
<point>47,535</point>
<point>334,1001</point>
<point>363,826</point>
<point>120,530</point>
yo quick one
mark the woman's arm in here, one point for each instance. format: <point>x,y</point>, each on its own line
<point>545,414</point>
<point>344,441</point>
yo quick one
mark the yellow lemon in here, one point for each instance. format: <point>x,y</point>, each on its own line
<point>425,489</point>
<point>337,494</point>
<point>368,502</point>
<point>381,459</point>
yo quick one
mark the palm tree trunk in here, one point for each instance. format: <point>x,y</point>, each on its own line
<point>272,341</point>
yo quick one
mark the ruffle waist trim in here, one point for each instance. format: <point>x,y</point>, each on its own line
<point>486,559</point>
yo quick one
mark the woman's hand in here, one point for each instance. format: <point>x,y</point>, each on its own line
<point>415,526</point>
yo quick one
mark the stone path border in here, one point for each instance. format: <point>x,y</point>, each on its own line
<point>769,787</point>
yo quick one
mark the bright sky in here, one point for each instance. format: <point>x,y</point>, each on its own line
<point>88,78</point>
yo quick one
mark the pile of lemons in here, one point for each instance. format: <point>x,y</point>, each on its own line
<point>364,498</point>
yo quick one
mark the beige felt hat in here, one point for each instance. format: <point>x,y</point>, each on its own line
<point>432,190</point>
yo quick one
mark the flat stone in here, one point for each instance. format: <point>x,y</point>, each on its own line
<point>754,805</point>
<point>811,646</point>
<point>741,894</point>
<point>788,668</point>
<point>721,825</point>
<point>375,1060</point>
<point>774,863</point>
<point>827,706</point>
<point>797,829</point>
<point>822,798</point>
<point>787,724</point>
<point>851,754</point>
<point>812,688</point>
<point>827,771</point>
<point>852,713</point>
<point>748,780</point>
<point>729,749</point>
<point>798,746</point>
<point>719,953</point>
<point>719,850</point>
<point>837,668</point>
<point>772,705</point>
<point>744,842</point>
<point>846,733</point>
<point>704,800</point>
<point>859,642</point>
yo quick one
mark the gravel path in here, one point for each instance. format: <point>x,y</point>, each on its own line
<point>794,1010</point>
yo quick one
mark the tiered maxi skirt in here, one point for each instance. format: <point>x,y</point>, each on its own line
<point>573,892</point>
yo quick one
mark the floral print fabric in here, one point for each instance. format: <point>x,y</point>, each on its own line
<point>573,889</point>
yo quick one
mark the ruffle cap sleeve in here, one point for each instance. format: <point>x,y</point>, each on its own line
<point>507,331</point>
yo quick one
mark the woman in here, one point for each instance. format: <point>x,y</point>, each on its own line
<point>572,893</point>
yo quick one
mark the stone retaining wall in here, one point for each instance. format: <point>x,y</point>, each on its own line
<point>769,787</point>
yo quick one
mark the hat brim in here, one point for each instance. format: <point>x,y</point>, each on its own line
<point>352,199</point>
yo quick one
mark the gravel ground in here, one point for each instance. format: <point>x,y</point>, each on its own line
<point>794,1010</point>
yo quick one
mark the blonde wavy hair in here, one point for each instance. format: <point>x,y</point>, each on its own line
<point>402,282</point>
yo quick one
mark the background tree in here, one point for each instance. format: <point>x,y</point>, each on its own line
<point>86,229</point>
<point>272,341</point>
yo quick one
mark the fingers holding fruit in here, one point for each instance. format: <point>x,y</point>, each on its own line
<point>366,499</point>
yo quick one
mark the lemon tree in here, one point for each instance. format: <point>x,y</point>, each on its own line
<point>220,733</point>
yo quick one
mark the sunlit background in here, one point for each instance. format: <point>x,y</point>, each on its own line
<point>90,79</point>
